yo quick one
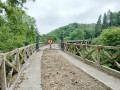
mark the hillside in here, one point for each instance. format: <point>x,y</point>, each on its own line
<point>75,31</point>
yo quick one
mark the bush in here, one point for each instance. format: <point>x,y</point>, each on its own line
<point>110,37</point>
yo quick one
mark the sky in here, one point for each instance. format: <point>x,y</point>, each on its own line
<point>52,14</point>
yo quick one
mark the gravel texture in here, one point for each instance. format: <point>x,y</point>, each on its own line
<point>59,74</point>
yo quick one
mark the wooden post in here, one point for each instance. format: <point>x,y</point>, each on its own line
<point>17,61</point>
<point>74,49</point>
<point>50,47</point>
<point>25,56</point>
<point>98,55</point>
<point>83,53</point>
<point>3,74</point>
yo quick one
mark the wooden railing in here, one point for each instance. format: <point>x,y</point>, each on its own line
<point>104,57</point>
<point>12,64</point>
<point>78,41</point>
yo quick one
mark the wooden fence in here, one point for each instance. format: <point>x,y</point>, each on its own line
<point>12,65</point>
<point>106,58</point>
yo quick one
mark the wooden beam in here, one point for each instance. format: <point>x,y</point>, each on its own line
<point>117,64</point>
<point>90,52</point>
<point>106,53</point>
<point>111,58</point>
<point>90,55</point>
<point>3,74</point>
<point>10,65</point>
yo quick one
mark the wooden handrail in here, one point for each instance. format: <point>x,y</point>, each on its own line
<point>15,61</point>
<point>98,54</point>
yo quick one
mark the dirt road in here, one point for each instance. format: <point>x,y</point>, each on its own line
<point>59,74</point>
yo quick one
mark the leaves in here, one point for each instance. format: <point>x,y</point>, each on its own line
<point>17,29</point>
<point>75,31</point>
<point>110,37</point>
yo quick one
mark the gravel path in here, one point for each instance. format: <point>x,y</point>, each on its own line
<point>59,74</point>
<point>31,77</point>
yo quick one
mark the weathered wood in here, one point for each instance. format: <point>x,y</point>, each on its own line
<point>90,52</point>
<point>98,55</point>
<point>16,64</point>
<point>78,51</point>
<point>109,59</point>
<point>17,60</point>
<point>1,59</point>
<point>14,60</point>
<point>106,53</point>
<point>117,64</point>
<point>90,55</point>
<point>3,74</point>
<point>83,52</point>
<point>10,65</point>
<point>9,78</point>
<point>99,48</point>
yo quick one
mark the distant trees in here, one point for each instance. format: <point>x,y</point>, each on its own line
<point>109,19</point>
<point>116,19</point>
<point>104,25</point>
<point>75,31</point>
<point>98,27</point>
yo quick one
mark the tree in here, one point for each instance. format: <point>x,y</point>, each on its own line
<point>77,35</point>
<point>104,25</point>
<point>116,20</point>
<point>16,3</point>
<point>110,37</point>
<point>109,18</point>
<point>17,29</point>
<point>98,27</point>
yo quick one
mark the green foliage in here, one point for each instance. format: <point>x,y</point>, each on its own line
<point>17,29</point>
<point>104,26</point>
<point>109,20</point>
<point>75,31</point>
<point>110,37</point>
<point>98,27</point>
<point>76,35</point>
<point>116,21</point>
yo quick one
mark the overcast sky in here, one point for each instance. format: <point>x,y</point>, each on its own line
<point>52,14</point>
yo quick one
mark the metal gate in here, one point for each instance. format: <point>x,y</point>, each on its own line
<point>39,37</point>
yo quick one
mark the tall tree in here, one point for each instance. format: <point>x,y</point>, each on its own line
<point>104,25</point>
<point>117,19</point>
<point>98,27</point>
<point>109,18</point>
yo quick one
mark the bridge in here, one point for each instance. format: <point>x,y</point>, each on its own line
<point>76,66</point>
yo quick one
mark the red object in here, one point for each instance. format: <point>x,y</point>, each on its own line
<point>50,41</point>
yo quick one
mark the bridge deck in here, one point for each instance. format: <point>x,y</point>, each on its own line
<point>31,79</point>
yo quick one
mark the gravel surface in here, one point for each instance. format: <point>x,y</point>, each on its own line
<point>59,74</point>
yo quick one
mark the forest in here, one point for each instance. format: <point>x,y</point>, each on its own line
<point>17,29</point>
<point>105,32</point>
